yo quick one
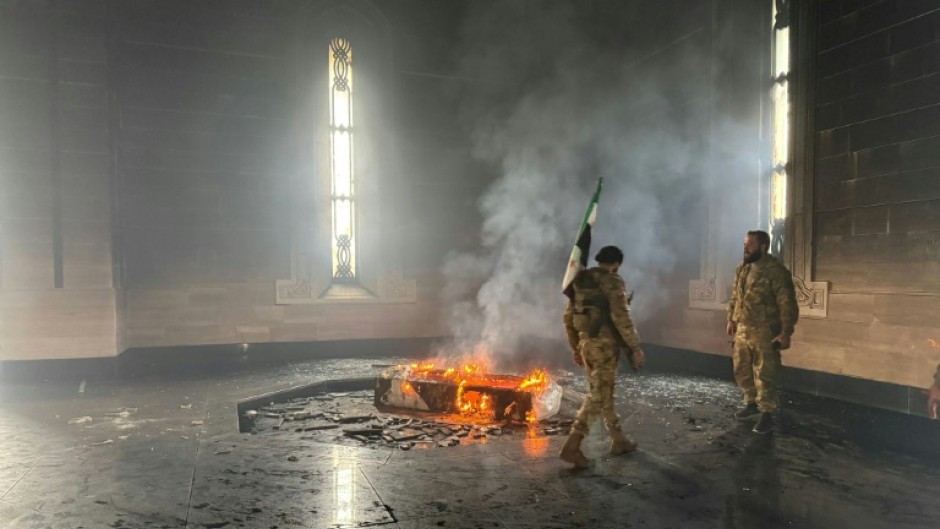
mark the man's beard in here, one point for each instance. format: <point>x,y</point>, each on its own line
<point>755,256</point>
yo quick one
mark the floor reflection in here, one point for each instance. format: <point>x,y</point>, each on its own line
<point>756,502</point>
<point>535,445</point>
<point>345,469</point>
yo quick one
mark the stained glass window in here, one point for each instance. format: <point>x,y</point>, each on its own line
<point>341,162</point>
<point>779,120</point>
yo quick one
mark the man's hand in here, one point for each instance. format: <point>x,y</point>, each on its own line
<point>732,328</point>
<point>637,358</point>
<point>576,356</point>
<point>783,340</point>
<point>933,399</point>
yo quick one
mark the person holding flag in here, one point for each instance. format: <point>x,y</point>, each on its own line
<point>598,325</point>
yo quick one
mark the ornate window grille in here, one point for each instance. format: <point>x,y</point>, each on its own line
<point>343,196</point>
<point>779,122</point>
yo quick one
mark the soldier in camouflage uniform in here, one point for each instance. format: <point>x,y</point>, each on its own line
<point>761,316</point>
<point>598,325</point>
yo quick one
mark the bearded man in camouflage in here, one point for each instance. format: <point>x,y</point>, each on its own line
<point>598,325</point>
<point>762,314</point>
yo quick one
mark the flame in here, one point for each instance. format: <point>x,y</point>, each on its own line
<point>933,343</point>
<point>473,373</point>
<point>537,380</point>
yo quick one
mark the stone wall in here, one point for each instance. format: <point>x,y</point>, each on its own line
<point>871,142</point>
<point>56,296</point>
<point>877,181</point>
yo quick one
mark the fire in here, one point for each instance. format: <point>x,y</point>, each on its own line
<point>933,343</point>
<point>472,402</point>
<point>537,380</point>
<point>476,401</point>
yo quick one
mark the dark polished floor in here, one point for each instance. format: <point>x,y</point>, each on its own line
<point>157,466</point>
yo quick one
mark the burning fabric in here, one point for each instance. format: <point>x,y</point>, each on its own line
<point>469,391</point>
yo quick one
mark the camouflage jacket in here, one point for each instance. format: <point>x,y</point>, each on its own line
<point>763,296</point>
<point>618,326</point>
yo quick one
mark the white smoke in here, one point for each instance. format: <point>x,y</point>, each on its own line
<point>556,109</point>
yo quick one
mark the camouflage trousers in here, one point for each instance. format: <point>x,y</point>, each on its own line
<point>600,357</point>
<point>756,364</point>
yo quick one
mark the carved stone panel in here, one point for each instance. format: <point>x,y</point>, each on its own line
<point>812,297</point>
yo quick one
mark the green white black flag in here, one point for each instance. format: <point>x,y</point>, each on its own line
<point>582,247</point>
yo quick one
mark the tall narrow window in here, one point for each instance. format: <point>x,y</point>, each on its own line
<point>341,163</point>
<point>779,122</point>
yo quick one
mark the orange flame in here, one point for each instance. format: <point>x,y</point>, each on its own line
<point>474,373</point>
<point>933,343</point>
<point>537,380</point>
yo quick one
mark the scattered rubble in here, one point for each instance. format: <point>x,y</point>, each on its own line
<point>345,417</point>
<point>122,412</point>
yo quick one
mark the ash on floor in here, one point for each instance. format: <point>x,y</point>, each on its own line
<point>352,418</point>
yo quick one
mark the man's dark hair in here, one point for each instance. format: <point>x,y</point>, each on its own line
<point>762,236</point>
<point>609,254</point>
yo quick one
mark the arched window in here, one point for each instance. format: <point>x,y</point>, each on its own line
<point>345,240</point>
<point>342,166</point>
<point>779,122</point>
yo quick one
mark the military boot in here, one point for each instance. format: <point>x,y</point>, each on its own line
<point>748,412</point>
<point>765,424</point>
<point>620,443</point>
<point>571,451</point>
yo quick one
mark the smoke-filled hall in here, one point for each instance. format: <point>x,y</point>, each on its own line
<point>469,264</point>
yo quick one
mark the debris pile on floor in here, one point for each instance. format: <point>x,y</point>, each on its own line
<point>351,417</point>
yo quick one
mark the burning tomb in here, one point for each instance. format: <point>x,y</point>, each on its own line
<point>468,391</point>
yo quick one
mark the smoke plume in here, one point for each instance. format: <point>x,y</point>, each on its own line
<point>563,99</point>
